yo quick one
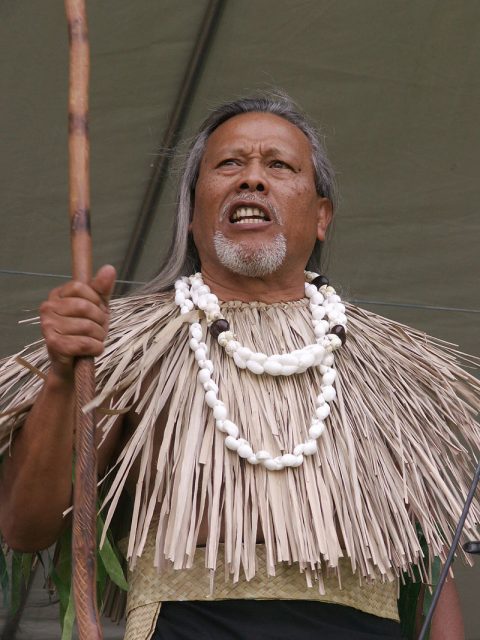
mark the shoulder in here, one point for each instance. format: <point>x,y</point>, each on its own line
<point>385,360</point>
<point>137,313</point>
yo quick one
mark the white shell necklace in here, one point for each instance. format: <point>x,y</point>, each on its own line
<point>329,325</point>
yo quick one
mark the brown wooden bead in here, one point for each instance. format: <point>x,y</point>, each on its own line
<point>219,326</point>
<point>339,330</point>
<point>319,281</point>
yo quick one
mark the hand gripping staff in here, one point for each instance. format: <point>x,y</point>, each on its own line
<point>85,489</point>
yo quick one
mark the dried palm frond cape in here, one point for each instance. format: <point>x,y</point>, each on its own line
<point>398,451</point>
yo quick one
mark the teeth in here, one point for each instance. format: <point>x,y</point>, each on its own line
<point>245,215</point>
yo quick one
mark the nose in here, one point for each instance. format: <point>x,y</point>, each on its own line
<point>246,186</point>
<point>253,179</point>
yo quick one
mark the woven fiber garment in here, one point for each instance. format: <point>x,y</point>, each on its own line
<point>148,588</point>
<point>398,448</point>
<point>141,622</point>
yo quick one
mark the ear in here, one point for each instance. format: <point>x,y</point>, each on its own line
<point>324,217</point>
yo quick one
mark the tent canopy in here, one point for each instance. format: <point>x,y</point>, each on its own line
<point>393,86</point>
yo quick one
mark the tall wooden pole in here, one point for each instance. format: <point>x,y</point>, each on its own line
<point>85,487</point>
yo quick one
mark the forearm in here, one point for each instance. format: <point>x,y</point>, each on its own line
<point>36,475</point>
<point>447,623</point>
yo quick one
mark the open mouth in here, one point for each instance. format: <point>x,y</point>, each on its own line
<point>249,215</point>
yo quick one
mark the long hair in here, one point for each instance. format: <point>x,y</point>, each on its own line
<point>182,256</point>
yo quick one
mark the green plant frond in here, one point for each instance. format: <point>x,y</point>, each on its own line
<point>63,590</point>
<point>16,568</point>
<point>407,607</point>
<point>16,581</point>
<point>108,558</point>
<point>27,565</point>
<point>101,579</point>
<point>4,579</point>
<point>61,571</point>
<point>411,589</point>
<point>430,589</point>
<point>15,573</point>
<point>68,618</point>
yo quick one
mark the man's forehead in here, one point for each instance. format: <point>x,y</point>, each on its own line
<point>274,133</point>
<point>246,146</point>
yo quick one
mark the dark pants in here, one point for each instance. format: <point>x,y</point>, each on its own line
<point>269,620</point>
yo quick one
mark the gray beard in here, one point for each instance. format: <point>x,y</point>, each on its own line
<point>247,261</point>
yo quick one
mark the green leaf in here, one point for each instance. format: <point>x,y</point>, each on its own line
<point>436,571</point>
<point>61,574</point>
<point>407,606</point>
<point>4,581</point>
<point>429,591</point>
<point>27,559</point>
<point>63,590</point>
<point>16,581</point>
<point>110,560</point>
<point>101,580</point>
<point>68,618</point>
<point>64,562</point>
<point>410,593</point>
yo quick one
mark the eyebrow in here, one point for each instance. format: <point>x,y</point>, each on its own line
<point>269,151</point>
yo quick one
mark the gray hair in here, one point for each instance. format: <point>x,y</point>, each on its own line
<point>182,256</point>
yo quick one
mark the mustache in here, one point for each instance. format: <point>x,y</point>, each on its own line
<point>253,200</point>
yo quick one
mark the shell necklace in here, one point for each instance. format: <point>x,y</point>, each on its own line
<point>329,325</point>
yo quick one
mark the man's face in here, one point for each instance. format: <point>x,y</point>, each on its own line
<point>256,208</point>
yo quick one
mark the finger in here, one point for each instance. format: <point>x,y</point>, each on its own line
<point>75,327</point>
<point>104,281</point>
<point>74,346</point>
<point>98,291</point>
<point>76,289</point>
<point>55,310</point>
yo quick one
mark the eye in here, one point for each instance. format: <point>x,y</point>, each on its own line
<point>228,162</point>
<point>280,164</point>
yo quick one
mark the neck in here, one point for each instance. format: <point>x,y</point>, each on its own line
<point>272,288</point>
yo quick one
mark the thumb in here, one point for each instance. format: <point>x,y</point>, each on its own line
<point>104,281</point>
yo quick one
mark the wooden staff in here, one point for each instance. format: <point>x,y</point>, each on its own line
<point>85,488</point>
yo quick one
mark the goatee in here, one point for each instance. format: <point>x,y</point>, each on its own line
<point>253,262</point>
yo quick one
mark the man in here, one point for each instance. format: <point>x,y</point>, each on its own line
<point>337,497</point>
